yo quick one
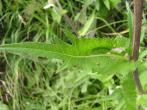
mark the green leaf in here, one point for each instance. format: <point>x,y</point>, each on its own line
<point>80,53</point>
<point>129,90</point>
<point>88,2</point>
<point>142,54</point>
<point>87,25</point>
<point>114,3</point>
<point>1,7</point>
<point>142,100</point>
<point>143,77</point>
<point>81,16</point>
<point>130,19</point>
<point>130,23</point>
<point>103,12</point>
<point>57,14</point>
<point>107,4</point>
<point>70,36</point>
<point>3,106</point>
<point>31,8</point>
<point>97,5</point>
<point>143,30</point>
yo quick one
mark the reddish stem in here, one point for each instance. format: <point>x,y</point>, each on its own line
<point>138,10</point>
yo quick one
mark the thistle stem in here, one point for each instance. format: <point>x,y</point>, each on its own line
<point>138,10</point>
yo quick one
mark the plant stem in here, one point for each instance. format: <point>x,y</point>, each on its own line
<point>138,10</point>
<point>138,82</point>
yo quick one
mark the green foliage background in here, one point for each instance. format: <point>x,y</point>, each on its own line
<point>74,55</point>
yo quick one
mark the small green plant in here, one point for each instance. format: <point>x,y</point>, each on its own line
<point>95,54</point>
<point>59,66</point>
